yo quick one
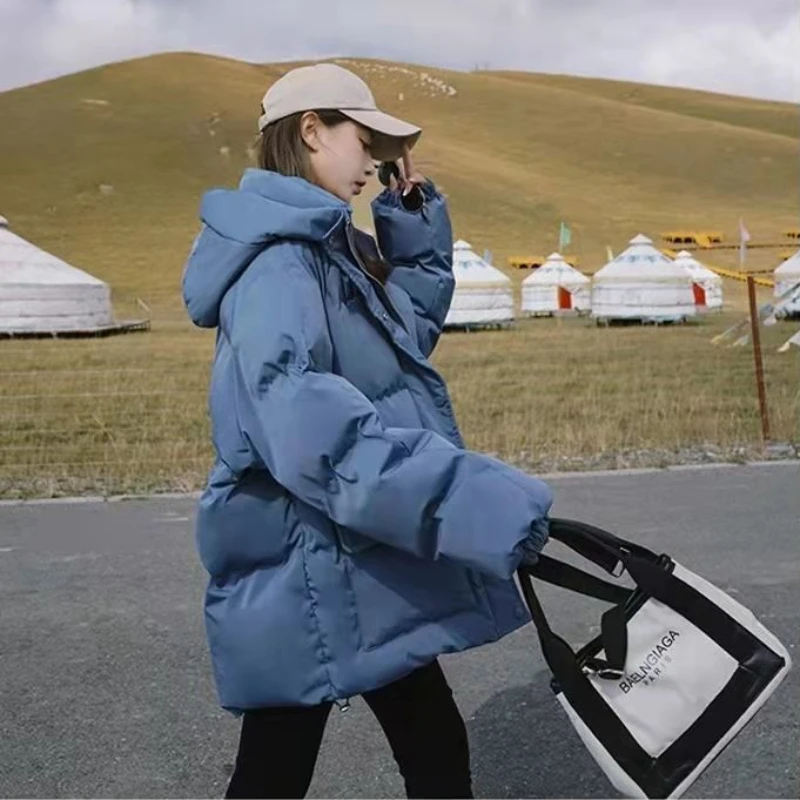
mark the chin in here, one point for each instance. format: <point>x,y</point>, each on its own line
<point>346,196</point>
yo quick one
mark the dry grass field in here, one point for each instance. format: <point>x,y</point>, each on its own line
<point>105,169</point>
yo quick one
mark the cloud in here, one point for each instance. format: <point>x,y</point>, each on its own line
<point>738,46</point>
<point>735,57</point>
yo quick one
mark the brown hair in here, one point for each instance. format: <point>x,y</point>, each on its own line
<point>281,148</point>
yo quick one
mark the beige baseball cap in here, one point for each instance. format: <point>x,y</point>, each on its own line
<point>329,86</point>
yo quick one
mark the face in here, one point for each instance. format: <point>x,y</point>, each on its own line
<point>340,156</point>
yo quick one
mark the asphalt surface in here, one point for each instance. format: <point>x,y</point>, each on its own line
<point>105,683</point>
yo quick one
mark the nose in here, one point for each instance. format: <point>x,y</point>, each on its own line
<point>371,167</point>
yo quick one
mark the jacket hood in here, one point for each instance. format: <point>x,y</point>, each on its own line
<point>239,223</point>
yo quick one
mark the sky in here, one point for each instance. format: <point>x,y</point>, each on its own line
<point>746,47</point>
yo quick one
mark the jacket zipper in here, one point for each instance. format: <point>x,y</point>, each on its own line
<point>380,290</point>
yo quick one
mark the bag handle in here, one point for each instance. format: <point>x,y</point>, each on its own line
<point>583,540</point>
<point>557,652</point>
<point>559,573</point>
<point>611,553</point>
<point>600,547</point>
<point>613,631</point>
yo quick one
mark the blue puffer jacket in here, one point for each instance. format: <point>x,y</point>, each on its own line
<point>349,536</point>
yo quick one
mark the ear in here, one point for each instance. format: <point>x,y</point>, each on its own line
<point>309,130</point>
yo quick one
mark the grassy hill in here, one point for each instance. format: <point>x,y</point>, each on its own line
<point>516,153</point>
<point>105,168</point>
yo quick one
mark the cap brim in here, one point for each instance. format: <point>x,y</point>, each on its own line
<point>390,135</point>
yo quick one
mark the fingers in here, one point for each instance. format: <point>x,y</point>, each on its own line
<point>408,162</point>
<point>410,176</point>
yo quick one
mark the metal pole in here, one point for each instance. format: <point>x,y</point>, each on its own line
<point>759,364</point>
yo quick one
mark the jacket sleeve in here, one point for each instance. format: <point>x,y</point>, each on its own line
<point>419,245</point>
<point>322,439</point>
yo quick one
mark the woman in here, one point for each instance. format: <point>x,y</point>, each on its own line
<point>350,537</point>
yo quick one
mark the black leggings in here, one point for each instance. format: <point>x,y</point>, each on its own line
<point>278,746</point>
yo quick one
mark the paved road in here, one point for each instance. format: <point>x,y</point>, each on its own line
<point>105,685</point>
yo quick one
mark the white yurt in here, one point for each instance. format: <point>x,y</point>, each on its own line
<point>483,295</point>
<point>641,283</point>
<point>787,275</point>
<point>556,287</point>
<point>706,284</point>
<point>41,294</point>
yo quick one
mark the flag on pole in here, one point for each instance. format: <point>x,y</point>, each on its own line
<point>564,236</point>
<point>744,238</point>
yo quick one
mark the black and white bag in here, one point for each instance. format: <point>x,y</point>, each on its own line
<point>677,671</point>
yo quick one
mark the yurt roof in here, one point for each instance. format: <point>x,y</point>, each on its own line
<point>642,262</point>
<point>697,269</point>
<point>555,270</point>
<point>22,263</point>
<point>790,267</point>
<point>470,268</point>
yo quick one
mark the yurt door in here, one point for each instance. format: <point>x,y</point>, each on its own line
<point>699,294</point>
<point>564,299</point>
